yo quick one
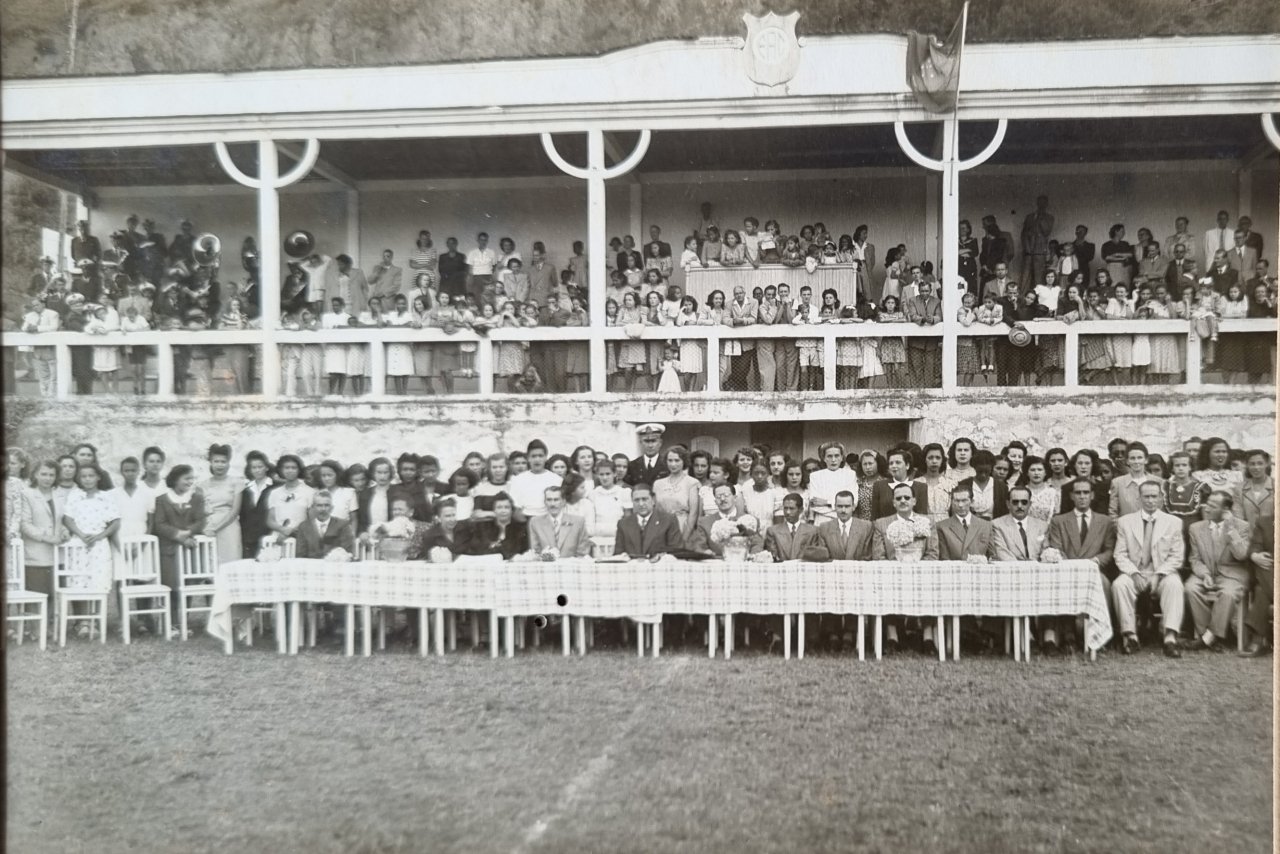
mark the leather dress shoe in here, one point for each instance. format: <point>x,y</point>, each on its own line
<point>1195,644</point>
<point>1129,645</point>
<point>1171,650</point>
<point>1255,650</point>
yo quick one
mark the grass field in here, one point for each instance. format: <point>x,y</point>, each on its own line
<point>176,747</point>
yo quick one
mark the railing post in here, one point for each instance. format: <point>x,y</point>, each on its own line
<point>829,373</point>
<point>1071,360</point>
<point>1193,361</point>
<point>164,371</point>
<point>377,369</point>
<point>712,361</point>
<point>62,371</point>
<point>484,365</point>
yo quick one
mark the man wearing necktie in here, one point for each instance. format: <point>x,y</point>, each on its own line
<point>648,532</point>
<point>1181,270</point>
<point>1149,553</point>
<point>700,539</point>
<point>1219,238</point>
<point>792,539</point>
<point>963,535</point>
<point>1242,257</point>
<point>322,533</point>
<point>1220,572</point>
<point>1018,536</point>
<point>558,530</point>
<point>1083,534</point>
<point>647,467</point>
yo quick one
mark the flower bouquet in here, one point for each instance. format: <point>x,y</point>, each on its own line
<point>393,538</point>
<point>904,536</point>
<point>733,536</point>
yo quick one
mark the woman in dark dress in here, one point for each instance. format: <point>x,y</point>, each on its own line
<point>179,519</point>
<point>501,535</point>
<point>253,502</point>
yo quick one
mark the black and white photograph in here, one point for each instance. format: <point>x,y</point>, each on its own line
<point>536,426</point>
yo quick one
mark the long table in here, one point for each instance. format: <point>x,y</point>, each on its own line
<point>701,281</point>
<point>640,589</point>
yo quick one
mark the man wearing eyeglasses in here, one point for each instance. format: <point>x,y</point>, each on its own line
<point>1020,536</point>
<point>882,492</point>
<point>1083,534</point>
<point>1149,552</point>
<point>904,501</point>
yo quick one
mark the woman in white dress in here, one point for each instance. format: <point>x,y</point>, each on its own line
<point>222,495</point>
<point>328,476</point>
<point>400,353</point>
<point>92,518</point>
<point>692,361</point>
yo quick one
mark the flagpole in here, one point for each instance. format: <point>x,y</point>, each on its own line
<point>955,105</point>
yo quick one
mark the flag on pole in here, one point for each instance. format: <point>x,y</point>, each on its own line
<point>933,67</point>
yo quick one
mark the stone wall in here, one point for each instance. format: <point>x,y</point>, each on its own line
<point>357,432</point>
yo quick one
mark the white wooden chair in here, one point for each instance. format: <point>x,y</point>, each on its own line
<point>73,584</point>
<point>141,592</point>
<point>288,548</point>
<point>18,598</point>
<point>197,570</point>
<point>365,613</point>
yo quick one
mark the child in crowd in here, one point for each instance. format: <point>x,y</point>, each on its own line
<point>400,353</point>
<point>711,247</point>
<point>335,355</point>
<point>829,254</point>
<point>1205,311</point>
<point>578,262</point>
<point>967,361</point>
<point>671,305</point>
<point>530,381</point>
<point>133,321</point>
<point>618,285</point>
<point>771,243</point>
<point>989,313</point>
<point>751,240</point>
<point>516,284</point>
<point>691,351</point>
<point>633,273</point>
<point>467,349</point>
<point>654,261</point>
<point>652,283</point>
<point>611,309</point>
<point>689,257</point>
<point>893,353</point>
<point>670,380</point>
<point>809,349</point>
<point>792,255</point>
<point>578,360</point>
<point>106,360</point>
<point>508,356</point>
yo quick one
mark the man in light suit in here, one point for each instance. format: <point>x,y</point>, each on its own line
<point>1219,570</point>
<point>647,532</point>
<point>962,534</point>
<point>1020,536</point>
<point>1149,553</point>
<point>792,539</point>
<point>1242,257</point>
<point>726,508</point>
<point>1082,534</point>
<point>322,533</point>
<point>744,311</point>
<point>556,529</point>
<point>1218,238</point>
<point>385,279</point>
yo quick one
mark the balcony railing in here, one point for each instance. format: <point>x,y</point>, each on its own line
<point>596,339</point>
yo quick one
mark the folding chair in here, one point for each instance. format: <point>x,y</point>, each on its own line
<point>74,583</point>
<point>18,597</point>
<point>197,578</point>
<point>140,584</point>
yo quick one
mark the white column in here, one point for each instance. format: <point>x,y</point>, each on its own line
<point>353,228</point>
<point>62,371</point>
<point>712,360</point>
<point>269,265</point>
<point>636,196</point>
<point>947,261</point>
<point>165,371</point>
<point>933,246</point>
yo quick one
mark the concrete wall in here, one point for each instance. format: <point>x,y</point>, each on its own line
<point>358,432</point>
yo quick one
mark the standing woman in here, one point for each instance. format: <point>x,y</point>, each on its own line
<point>1095,350</point>
<point>1045,498</point>
<point>1085,464</point>
<point>179,518</point>
<point>16,465</point>
<point>1213,468</point>
<point>1057,461</point>
<point>65,484</point>
<point>1119,256</point>
<point>677,493</point>
<point>424,259</point>
<point>871,468</point>
<point>329,476</point>
<point>1120,347</point>
<point>583,462</point>
<point>91,517</point>
<point>960,459</point>
<point>221,494</point>
<point>937,482</point>
<point>288,503</point>
<point>253,502</point>
<point>864,262</point>
<point>41,526</point>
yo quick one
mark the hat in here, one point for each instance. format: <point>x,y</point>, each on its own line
<point>46,260</point>
<point>75,300</point>
<point>651,427</point>
<point>1019,336</point>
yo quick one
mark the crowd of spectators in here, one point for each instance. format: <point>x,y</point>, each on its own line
<point>143,282</point>
<point>1195,526</point>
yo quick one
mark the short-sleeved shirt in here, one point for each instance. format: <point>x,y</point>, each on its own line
<point>527,491</point>
<point>611,505</point>
<point>134,509</point>
<point>482,261</point>
<point>290,508</point>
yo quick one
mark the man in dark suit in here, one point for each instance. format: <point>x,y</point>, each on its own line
<point>962,534</point>
<point>792,539</point>
<point>501,535</point>
<point>900,463</point>
<point>1181,270</point>
<point>649,466</point>
<point>655,236</point>
<point>1084,534</point>
<point>990,495</point>
<point>1222,273</point>
<point>845,537</point>
<point>647,532</point>
<point>86,251</point>
<point>321,533</point>
<point>42,278</point>
<point>1252,239</point>
<point>1083,249</point>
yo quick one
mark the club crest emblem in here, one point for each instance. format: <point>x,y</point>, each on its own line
<point>772,51</point>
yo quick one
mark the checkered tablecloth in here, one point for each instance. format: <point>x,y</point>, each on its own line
<point>583,588</point>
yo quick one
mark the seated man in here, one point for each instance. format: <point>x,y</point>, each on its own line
<point>962,534</point>
<point>792,539</point>
<point>321,533</point>
<point>1260,555</point>
<point>1219,570</point>
<point>882,503</point>
<point>501,535</point>
<point>904,499</point>
<point>558,530</point>
<point>845,538</point>
<point>648,532</point>
<point>1020,536</point>
<point>1149,553</point>
<point>727,508</point>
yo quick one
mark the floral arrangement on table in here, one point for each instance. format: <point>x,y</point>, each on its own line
<point>401,526</point>
<point>723,530</point>
<point>903,533</point>
<point>393,538</point>
<point>339,555</point>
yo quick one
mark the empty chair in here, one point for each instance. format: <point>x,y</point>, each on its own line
<point>197,569</point>
<point>141,593</point>
<point>20,600</point>
<point>288,549</point>
<point>77,578</point>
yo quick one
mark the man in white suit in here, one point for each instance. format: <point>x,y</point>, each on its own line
<point>1019,536</point>
<point>557,529</point>
<point>1149,552</point>
<point>1220,572</point>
